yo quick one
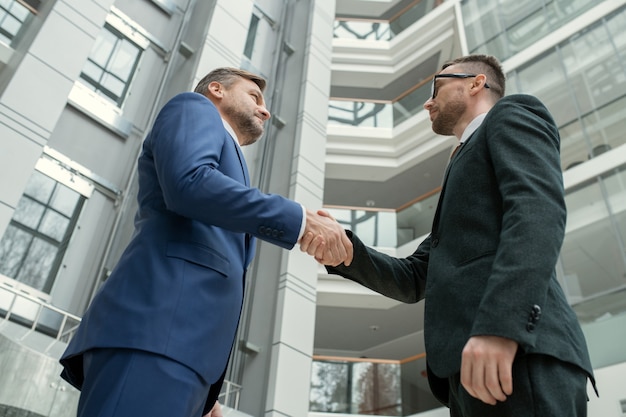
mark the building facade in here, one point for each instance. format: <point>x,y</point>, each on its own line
<point>82,80</point>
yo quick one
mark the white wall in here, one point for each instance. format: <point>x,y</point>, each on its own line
<point>611,382</point>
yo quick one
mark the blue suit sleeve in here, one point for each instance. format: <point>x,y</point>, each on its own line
<point>189,147</point>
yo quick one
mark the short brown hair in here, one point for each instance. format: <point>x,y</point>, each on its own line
<point>483,64</point>
<point>227,76</point>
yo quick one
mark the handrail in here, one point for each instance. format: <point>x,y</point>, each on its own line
<point>372,360</point>
<point>40,306</point>
<point>228,397</point>
<point>230,389</point>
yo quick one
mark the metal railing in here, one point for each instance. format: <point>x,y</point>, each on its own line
<point>229,396</point>
<point>39,316</point>
<point>27,309</point>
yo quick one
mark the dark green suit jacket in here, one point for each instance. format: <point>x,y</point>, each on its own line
<point>488,265</point>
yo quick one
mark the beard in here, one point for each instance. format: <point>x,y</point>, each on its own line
<point>247,125</point>
<point>448,117</point>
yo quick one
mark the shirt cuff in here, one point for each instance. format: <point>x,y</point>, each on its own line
<point>303,224</point>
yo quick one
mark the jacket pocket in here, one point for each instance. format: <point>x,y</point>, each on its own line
<point>199,255</point>
<point>476,257</point>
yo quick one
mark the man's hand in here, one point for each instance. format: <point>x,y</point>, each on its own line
<point>216,411</point>
<point>486,368</point>
<point>325,239</point>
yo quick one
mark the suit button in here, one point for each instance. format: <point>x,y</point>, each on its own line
<point>530,327</point>
<point>281,234</point>
<point>274,233</point>
<point>262,230</point>
<point>435,242</point>
<point>535,314</point>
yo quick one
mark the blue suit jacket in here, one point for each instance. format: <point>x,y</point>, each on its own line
<point>178,288</point>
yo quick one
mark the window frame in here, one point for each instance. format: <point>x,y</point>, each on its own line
<point>96,85</point>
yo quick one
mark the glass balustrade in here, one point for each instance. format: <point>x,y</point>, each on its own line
<point>389,228</point>
<point>378,114</point>
<point>366,386</point>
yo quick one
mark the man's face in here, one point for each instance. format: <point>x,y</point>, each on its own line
<point>243,106</point>
<point>448,104</point>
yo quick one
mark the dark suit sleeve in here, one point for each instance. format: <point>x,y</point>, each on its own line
<point>523,146</point>
<point>186,145</point>
<point>402,279</point>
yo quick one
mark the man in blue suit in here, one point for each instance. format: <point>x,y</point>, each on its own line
<point>501,339</point>
<point>156,339</point>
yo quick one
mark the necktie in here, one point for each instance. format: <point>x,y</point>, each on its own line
<point>456,150</point>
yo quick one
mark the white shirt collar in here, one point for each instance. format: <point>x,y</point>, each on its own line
<point>472,126</point>
<point>230,130</point>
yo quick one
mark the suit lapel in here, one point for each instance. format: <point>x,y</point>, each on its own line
<point>248,239</point>
<point>242,162</point>
<point>455,156</point>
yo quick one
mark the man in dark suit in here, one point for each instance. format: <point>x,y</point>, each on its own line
<point>156,339</point>
<point>501,339</point>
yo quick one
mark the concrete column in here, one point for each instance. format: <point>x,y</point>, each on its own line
<point>273,358</point>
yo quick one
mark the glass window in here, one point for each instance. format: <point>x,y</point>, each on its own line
<point>13,15</point>
<point>593,262</point>
<point>254,25</point>
<point>35,240</point>
<point>583,83</point>
<point>506,27</point>
<point>111,65</point>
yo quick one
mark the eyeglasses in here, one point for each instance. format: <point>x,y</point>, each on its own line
<point>433,88</point>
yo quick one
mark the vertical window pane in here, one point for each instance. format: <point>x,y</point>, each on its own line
<point>254,24</point>
<point>376,390</point>
<point>28,212</point>
<point>112,84</point>
<point>19,11</point>
<point>64,200</point>
<point>54,225</point>
<point>35,241</point>
<point>37,264</point>
<point>40,187</point>
<point>13,16</point>
<point>123,60</point>
<point>546,78</point>
<point>13,247</point>
<point>103,48</point>
<point>11,25</point>
<point>111,65</point>
<point>329,387</point>
<point>591,257</point>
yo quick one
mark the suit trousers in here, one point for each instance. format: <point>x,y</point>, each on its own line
<point>542,386</point>
<point>131,383</point>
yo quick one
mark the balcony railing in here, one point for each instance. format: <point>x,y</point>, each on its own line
<point>389,228</point>
<point>384,30</point>
<point>381,113</point>
<point>19,305</point>
<point>25,307</point>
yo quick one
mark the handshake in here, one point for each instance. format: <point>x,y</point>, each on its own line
<point>325,239</point>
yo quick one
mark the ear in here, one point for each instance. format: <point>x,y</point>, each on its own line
<point>215,89</point>
<point>479,83</point>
